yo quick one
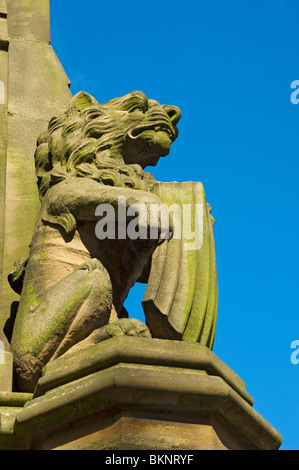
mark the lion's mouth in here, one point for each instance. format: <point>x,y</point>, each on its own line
<point>157,127</point>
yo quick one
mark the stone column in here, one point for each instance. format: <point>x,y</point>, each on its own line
<point>5,355</point>
<point>36,89</point>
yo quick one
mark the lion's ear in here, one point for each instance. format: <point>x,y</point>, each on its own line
<point>81,101</point>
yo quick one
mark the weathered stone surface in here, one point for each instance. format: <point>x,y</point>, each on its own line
<point>3,156</point>
<point>3,34</point>
<point>3,9</point>
<point>3,30</point>
<point>40,95</point>
<point>11,404</point>
<point>29,19</point>
<point>126,349</point>
<point>3,139</point>
<point>38,88</point>
<point>6,368</point>
<point>181,299</point>
<point>21,197</point>
<point>120,403</point>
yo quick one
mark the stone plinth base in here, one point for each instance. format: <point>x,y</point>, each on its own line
<point>10,405</point>
<point>137,393</point>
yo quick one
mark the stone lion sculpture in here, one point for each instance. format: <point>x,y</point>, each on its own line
<point>75,284</point>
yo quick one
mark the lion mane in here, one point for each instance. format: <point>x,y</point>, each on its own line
<point>91,139</point>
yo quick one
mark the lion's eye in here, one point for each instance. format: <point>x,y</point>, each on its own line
<point>136,108</point>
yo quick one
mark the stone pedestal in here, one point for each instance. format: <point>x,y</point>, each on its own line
<point>11,404</point>
<point>136,393</point>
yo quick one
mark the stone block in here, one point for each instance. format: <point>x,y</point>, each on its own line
<point>42,94</point>
<point>3,33</point>
<point>11,404</point>
<point>3,152</point>
<point>6,369</point>
<point>3,9</point>
<point>21,198</point>
<point>137,393</point>
<point>29,19</point>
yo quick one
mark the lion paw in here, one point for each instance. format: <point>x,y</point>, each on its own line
<point>121,327</point>
<point>128,327</point>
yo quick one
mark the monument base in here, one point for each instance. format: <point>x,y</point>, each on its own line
<point>11,404</point>
<point>137,393</point>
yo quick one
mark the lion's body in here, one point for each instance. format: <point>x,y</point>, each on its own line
<point>75,283</point>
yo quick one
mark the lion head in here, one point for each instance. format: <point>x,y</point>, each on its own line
<point>111,142</point>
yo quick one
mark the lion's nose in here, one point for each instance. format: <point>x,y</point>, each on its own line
<point>174,113</point>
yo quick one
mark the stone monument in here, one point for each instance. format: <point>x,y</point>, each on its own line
<point>84,222</point>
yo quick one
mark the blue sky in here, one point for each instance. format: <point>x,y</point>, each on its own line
<point>229,67</point>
